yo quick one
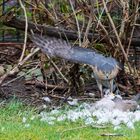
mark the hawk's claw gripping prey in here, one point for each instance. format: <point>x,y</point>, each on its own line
<point>105,69</point>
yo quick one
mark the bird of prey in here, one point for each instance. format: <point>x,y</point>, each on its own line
<point>105,69</point>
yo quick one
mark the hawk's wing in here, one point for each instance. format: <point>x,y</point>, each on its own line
<point>60,48</point>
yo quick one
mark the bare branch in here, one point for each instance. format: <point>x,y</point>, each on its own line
<point>117,36</point>
<point>26,29</point>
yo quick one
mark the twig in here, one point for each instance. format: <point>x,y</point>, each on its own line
<point>111,134</point>
<point>54,10</point>
<point>100,14</point>
<point>125,6</point>
<point>87,30</point>
<point>136,24</point>
<point>117,36</point>
<point>114,29</point>
<point>106,32</point>
<point>16,68</point>
<point>20,76</point>
<point>77,23</point>
<point>66,18</point>
<point>133,28</point>
<point>55,66</point>
<point>2,103</point>
<point>26,29</point>
<point>56,32</point>
<point>81,127</point>
<point>76,128</point>
<point>67,99</point>
<point>125,13</point>
<point>59,97</point>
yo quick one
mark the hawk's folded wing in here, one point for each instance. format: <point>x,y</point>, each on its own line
<point>59,48</point>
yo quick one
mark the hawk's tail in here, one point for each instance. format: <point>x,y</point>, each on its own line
<point>42,43</point>
<point>50,45</point>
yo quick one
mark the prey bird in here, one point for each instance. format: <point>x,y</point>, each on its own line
<point>105,69</point>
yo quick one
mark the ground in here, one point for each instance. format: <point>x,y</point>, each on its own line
<point>20,122</point>
<point>22,99</point>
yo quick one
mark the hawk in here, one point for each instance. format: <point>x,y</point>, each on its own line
<point>105,69</point>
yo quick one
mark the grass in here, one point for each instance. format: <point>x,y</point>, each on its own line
<point>12,127</point>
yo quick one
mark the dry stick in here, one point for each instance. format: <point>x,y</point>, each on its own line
<point>137,24</point>
<point>20,76</point>
<point>105,31</point>
<point>26,29</point>
<point>135,18</point>
<point>125,7</point>
<point>125,18</point>
<point>16,68</point>
<point>75,128</point>
<point>111,134</point>
<point>77,23</point>
<point>99,23</point>
<point>87,29</point>
<point>54,10</point>
<point>117,36</point>
<point>33,11</point>
<point>47,11</point>
<point>66,18</point>
<point>79,99</point>
<point>100,14</point>
<point>55,66</point>
<point>56,32</point>
<point>84,126</point>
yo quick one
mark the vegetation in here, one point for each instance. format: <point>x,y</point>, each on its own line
<point>20,122</point>
<point>108,27</point>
